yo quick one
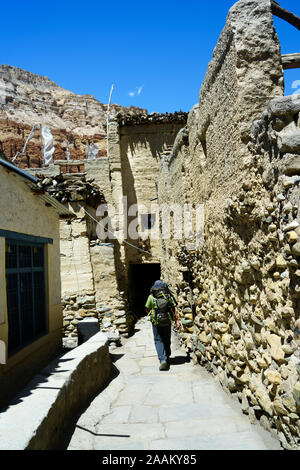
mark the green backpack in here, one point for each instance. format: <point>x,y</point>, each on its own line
<point>163,307</point>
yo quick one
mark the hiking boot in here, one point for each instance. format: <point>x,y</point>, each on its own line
<point>164,365</point>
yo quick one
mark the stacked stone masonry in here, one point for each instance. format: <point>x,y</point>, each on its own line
<point>239,156</point>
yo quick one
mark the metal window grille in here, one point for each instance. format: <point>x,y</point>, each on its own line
<point>26,295</point>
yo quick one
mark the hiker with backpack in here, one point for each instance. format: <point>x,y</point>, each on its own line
<point>161,305</point>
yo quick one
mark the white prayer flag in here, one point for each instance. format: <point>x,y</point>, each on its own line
<point>48,148</point>
<point>92,152</point>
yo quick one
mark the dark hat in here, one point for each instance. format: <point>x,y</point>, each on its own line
<point>159,285</point>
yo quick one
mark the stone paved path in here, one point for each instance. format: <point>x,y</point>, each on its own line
<point>183,408</point>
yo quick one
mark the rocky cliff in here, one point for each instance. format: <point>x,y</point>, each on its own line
<point>27,99</point>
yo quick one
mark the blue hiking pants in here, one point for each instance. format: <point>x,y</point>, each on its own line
<point>162,340</point>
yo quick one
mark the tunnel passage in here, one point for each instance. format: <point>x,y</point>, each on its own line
<point>141,279</point>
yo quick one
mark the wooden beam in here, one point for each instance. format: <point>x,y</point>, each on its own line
<point>73,175</point>
<point>286,15</point>
<point>291,61</point>
<point>69,162</point>
<point>24,237</point>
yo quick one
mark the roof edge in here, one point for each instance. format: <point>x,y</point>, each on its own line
<point>56,205</point>
<point>20,172</point>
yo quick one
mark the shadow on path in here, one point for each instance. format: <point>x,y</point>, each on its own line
<point>72,425</point>
<point>39,380</point>
<point>105,435</point>
<point>115,357</point>
<point>177,360</point>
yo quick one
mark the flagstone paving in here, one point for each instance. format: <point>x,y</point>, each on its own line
<point>183,408</point>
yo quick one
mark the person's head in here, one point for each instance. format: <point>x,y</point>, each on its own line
<point>159,285</point>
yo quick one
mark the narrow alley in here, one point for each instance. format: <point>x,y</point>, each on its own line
<point>183,408</point>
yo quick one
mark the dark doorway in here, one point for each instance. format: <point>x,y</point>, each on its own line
<point>141,279</point>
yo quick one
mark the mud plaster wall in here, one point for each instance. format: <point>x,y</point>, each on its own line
<point>141,149</point>
<point>24,212</point>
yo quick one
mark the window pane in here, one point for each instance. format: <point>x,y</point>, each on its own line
<point>25,258</point>
<point>151,220</point>
<point>39,302</point>
<point>11,255</point>
<point>26,302</point>
<point>14,339</point>
<point>26,305</point>
<point>38,256</point>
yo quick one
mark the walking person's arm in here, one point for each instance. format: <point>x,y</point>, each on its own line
<point>148,311</point>
<point>148,306</point>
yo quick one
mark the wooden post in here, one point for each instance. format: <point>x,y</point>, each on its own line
<point>107,118</point>
<point>286,15</point>
<point>291,61</point>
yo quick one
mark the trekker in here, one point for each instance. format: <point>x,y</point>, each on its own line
<point>162,306</point>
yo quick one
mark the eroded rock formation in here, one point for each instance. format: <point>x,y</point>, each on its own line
<point>27,99</point>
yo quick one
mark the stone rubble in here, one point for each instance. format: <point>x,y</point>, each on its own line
<point>130,119</point>
<point>69,188</point>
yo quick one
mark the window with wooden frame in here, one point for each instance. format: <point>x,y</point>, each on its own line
<point>26,293</point>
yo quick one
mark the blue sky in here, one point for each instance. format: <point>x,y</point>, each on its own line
<point>155,53</point>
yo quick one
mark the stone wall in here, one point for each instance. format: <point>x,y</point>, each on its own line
<point>239,295</point>
<point>95,269</point>
<point>89,283</point>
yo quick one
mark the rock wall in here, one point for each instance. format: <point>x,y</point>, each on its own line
<point>135,146</point>
<point>239,294</point>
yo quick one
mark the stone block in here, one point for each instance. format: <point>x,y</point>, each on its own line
<point>276,350</point>
<point>296,249</point>
<point>283,106</point>
<point>290,165</point>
